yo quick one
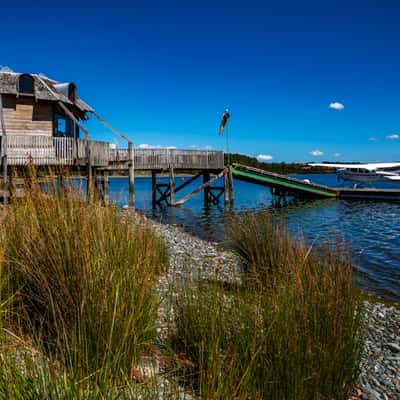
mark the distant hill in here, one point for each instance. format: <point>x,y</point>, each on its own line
<point>280,168</point>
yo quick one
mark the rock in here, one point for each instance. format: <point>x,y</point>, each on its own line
<point>394,347</point>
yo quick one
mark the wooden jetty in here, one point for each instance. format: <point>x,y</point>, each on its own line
<point>42,124</point>
<point>282,185</point>
<point>369,194</point>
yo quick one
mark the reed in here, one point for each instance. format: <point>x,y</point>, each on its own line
<point>80,283</point>
<point>292,330</point>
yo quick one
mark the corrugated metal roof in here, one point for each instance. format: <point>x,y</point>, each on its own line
<point>9,85</point>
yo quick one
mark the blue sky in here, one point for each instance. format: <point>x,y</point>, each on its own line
<point>163,73</point>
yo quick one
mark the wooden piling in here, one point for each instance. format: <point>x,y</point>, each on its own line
<point>89,172</point>
<point>172,186</point>
<point>153,187</point>
<point>131,156</point>
<point>230,183</point>
<point>198,189</point>
<point>106,198</point>
<point>226,187</point>
<point>60,185</point>
<point>206,178</point>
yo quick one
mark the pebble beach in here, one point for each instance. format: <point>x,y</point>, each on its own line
<point>380,364</point>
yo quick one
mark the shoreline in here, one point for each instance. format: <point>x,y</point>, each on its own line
<point>380,362</point>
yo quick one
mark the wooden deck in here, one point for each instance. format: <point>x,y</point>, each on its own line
<point>157,159</point>
<point>58,151</point>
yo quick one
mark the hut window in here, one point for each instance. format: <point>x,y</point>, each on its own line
<point>65,127</point>
<point>25,84</point>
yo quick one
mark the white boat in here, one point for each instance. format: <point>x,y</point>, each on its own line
<point>365,173</point>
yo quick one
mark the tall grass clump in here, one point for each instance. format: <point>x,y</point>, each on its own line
<point>80,279</point>
<point>291,330</point>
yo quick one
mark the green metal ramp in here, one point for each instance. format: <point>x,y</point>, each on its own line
<point>281,183</point>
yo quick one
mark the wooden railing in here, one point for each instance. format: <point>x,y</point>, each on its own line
<point>47,150</point>
<point>145,159</point>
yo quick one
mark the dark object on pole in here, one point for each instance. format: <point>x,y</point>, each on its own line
<point>224,119</point>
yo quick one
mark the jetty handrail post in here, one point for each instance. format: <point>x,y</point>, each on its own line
<point>131,158</point>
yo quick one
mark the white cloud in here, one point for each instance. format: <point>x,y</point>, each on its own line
<point>336,106</point>
<point>264,157</point>
<point>171,147</point>
<point>392,137</point>
<point>337,155</point>
<point>316,153</point>
<point>373,139</point>
<point>150,146</point>
<point>208,147</point>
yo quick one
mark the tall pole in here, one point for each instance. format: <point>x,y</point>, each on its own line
<point>131,161</point>
<point>227,146</point>
<point>224,121</point>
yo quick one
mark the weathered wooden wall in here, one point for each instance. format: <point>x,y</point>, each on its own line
<point>25,116</point>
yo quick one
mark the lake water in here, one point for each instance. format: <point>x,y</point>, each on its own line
<point>371,229</point>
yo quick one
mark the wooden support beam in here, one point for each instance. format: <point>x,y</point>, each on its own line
<point>230,180</point>
<point>64,108</point>
<point>109,126</point>
<point>89,183</point>
<point>60,184</point>
<point>131,158</point>
<point>106,187</point>
<point>188,182</point>
<point>226,188</point>
<point>180,187</point>
<point>206,178</point>
<point>163,194</point>
<point>172,186</point>
<point>197,190</point>
<point>153,187</point>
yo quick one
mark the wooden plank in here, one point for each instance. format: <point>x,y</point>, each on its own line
<point>109,126</point>
<point>177,189</point>
<point>197,190</point>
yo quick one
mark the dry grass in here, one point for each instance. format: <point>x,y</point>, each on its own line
<point>291,331</point>
<point>79,282</point>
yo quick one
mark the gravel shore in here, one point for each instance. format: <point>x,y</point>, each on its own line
<point>380,365</point>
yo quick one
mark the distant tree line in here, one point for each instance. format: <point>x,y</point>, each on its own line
<point>278,167</point>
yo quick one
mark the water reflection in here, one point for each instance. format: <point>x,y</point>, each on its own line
<point>369,228</point>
